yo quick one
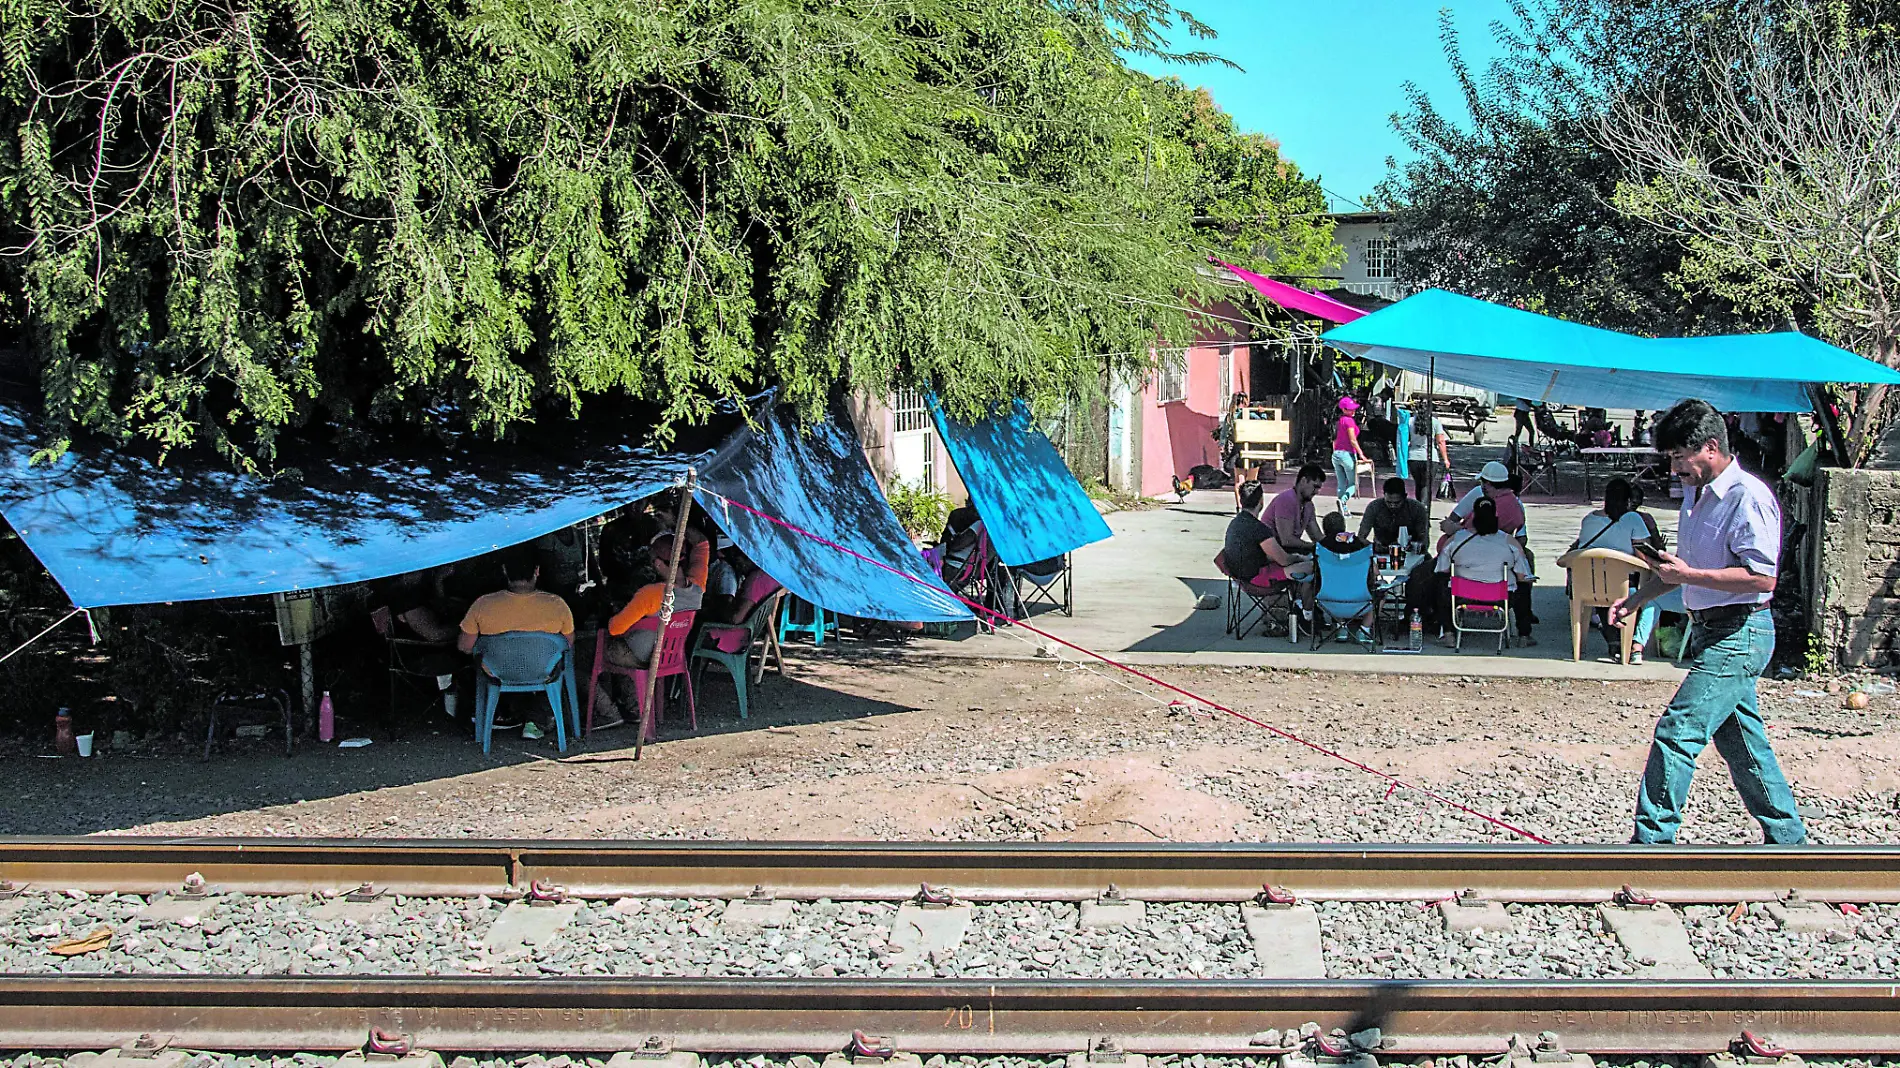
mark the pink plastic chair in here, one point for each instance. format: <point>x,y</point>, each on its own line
<point>669,658</point>
<point>1484,597</point>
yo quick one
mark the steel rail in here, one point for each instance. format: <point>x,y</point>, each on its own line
<point>927,1016</point>
<point>978,872</point>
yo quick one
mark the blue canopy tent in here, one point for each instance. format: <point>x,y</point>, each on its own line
<point>1523,354</point>
<point>1034,507</point>
<point>117,529</point>
<point>1034,510</point>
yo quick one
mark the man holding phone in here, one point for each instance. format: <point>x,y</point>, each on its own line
<point>1729,546</point>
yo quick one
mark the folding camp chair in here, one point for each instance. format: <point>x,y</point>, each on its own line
<point>1480,601</point>
<point>1536,469</point>
<point>976,576</point>
<point>1261,603</point>
<point>1342,595</point>
<point>1047,582</point>
<point>413,663</point>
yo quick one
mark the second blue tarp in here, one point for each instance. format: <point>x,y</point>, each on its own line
<point>1032,506</point>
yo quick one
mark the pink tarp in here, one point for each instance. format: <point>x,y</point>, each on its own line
<point>1295,298</point>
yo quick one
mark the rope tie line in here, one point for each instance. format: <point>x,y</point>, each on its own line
<point>1394,781</point>
<point>44,633</point>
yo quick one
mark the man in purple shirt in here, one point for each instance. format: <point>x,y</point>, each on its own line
<point>1729,544</point>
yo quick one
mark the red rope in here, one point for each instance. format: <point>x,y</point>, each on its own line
<point>1394,781</point>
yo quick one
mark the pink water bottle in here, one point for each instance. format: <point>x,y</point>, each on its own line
<point>326,719</point>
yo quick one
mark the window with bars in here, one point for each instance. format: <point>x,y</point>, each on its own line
<point>910,410</point>
<point>1226,373</point>
<point>1382,257</point>
<point>1171,378</point>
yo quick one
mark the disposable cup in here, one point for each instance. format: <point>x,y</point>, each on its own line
<point>85,744</point>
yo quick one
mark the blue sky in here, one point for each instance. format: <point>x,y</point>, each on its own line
<point>1321,76</point>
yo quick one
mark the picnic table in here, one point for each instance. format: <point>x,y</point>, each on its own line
<point>1461,413</point>
<point>1642,462</point>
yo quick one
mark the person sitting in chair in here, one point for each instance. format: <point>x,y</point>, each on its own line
<point>1256,555</point>
<point>637,629</point>
<point>1486,554</point>
<point>1335,539</point>
<point>518,606</point>
<point>1394,518</point>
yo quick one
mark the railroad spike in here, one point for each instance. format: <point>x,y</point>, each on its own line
<point>656,1052</point>
<point>1105,1051</point>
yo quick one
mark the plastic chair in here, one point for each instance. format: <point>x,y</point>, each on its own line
<point>800,616</point>
<point>1485,598</point>
<point>1049,582</point>
<point>1262,602</point>
<point>1342,595</point>
<point>669,657</point>
<point>755,632</point>
<point>1598,579</point>
<point>524,661</point>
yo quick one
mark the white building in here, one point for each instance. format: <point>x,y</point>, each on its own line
<point>1372,255</point>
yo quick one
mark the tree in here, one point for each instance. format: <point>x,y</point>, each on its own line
<point>225,219</point>
<point>1513,202</point>
<point>1786,187</point>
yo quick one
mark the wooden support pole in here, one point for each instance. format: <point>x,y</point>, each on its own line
<point>685,509</point>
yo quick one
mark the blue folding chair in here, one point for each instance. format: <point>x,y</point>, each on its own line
<point>525,661</point>
<point>1342,595</point>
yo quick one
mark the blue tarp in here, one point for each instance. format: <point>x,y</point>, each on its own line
<point>1032,506</point>
<point>116,529</point>
<point>816,478</point>
<point>1523,354</point>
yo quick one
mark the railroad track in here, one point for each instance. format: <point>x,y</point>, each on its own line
<point>961,1013</point>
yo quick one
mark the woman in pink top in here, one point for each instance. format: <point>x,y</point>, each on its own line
<point>1346,453</point>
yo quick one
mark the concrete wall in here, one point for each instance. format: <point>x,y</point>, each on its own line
<point>1856,565</point>
<point>876,425</point>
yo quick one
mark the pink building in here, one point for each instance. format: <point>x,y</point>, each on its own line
<point>1182,402</point>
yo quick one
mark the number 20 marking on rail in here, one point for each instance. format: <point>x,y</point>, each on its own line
<point>960,1017</point>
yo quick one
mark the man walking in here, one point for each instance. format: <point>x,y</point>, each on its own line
<point>1729,544</point>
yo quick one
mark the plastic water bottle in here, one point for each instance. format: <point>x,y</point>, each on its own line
<point>1415,641</point>
<point>63,732</point>
<point>326,719</point>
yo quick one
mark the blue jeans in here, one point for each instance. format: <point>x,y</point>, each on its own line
<point>1717,703</point>
<point>1346,474</point>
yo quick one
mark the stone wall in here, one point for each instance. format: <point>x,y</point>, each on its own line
<point>1856,565</point>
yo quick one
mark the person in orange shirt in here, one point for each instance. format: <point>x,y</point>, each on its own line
<point>518,606</point>
<point>636,629</point>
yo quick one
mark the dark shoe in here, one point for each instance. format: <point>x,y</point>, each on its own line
<point>1525,641</point>
<point>505,721</point>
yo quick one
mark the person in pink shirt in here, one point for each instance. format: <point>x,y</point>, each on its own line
<point>1347,454</point>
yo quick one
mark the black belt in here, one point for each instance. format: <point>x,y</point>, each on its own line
<point>1725,613</point>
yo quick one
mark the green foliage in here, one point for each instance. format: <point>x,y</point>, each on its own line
<point>1511,201</point>
<point>921,509</point>
<point>224,219</point>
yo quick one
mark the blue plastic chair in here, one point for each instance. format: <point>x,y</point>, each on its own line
<point>758,630</point>
<point>1342,595</point>
<point>525,661</point>
<point>800,616</point>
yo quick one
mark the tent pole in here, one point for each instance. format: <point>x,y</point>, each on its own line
<point>1431,442</point>
<point>685,509</point>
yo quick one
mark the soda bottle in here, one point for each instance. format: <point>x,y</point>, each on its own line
<point>63,733</point>
<point>1416,640</point>
<point>326,719</point>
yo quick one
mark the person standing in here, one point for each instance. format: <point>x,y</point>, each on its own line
<point>1728,552</point>
<point>1429,458</point>
<point>1526,422</point>
<point>1347,454</point>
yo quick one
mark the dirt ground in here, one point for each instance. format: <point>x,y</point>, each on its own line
<point>868,747</point>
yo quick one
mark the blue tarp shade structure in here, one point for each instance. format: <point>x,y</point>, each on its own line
<point>1523,354</point>
<point>1032,506</point>
<point>816,478</point>
<point>117,529</point>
